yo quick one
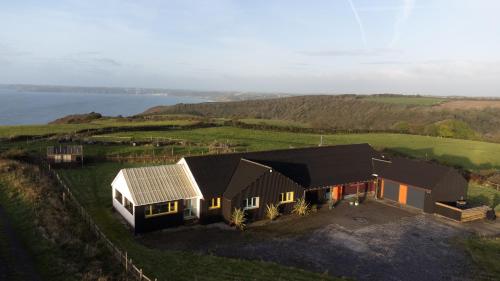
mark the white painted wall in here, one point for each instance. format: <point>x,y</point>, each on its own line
<point>120,184</point>
<point>195,184</point>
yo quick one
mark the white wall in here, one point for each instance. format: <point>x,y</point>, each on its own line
<point>195,184</point>
<point>120,184</point>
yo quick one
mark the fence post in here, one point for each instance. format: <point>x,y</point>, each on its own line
<point>126,262</point>
<point>140,276</point>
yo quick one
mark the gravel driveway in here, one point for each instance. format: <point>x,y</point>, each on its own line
<point>414,248</point>
<point>370,242</point>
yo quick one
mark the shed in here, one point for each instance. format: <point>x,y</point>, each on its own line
<point>65,154</point>
<point>419,184</point>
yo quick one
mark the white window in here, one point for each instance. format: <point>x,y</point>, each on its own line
<point>251,203</point>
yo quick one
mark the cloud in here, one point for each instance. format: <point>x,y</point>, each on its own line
<point>351,53</point>
<point>360,23</point>
<point>107,61</point>
<point>406,11</point>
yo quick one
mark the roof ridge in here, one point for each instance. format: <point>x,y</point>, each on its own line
<point>256,163</point>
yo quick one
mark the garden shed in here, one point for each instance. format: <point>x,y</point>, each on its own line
<point>65,154</point>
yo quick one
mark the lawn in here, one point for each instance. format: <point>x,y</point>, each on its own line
<point>91,185</point>
<point>409,100</point>
<point>485,252</point>
<point>473,155</point>
<point>40,130</point>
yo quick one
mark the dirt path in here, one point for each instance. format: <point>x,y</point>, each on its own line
<point>15,261</point>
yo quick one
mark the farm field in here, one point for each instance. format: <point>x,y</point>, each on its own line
<point>408,100</point>
<point>40,130</point>
<point>473,155</point>
<point>274,122</point>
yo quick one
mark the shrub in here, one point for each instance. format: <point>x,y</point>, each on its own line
<point>238,218</point>
<point>314,208</point>
<point>301,207</point>
<point>272,211</point>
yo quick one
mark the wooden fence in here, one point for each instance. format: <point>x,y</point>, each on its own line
<point>132,271</point>
<point>461,215</point>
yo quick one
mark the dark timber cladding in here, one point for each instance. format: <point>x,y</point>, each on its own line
<point>252,179</point>
<point>143,224</point>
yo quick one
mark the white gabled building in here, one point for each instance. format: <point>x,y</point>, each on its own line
<point>151,198</point>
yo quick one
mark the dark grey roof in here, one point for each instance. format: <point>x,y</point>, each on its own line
<point>309,167</point>
<point>246,173</point>
<point>414,172</point>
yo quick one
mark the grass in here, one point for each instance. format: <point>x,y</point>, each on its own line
<point>91,185</point>
<point>485,252</point>
<point>274,122</point>
<point>409,100</point>
<point>472,155</point>
<point>40,130</point>
<point>479,194</point>
<point>21,217</point>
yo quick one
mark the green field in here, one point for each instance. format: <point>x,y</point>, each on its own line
<point>473,155</point>
<point>274,122</point>
<point>406,100</point>
<point>40,130</point>
<point>91,185</point>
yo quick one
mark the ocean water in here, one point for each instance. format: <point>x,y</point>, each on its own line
<point>20,108</point>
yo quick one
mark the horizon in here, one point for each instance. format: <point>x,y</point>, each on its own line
<point>410,47</point>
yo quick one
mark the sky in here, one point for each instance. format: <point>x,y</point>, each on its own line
<point>432,47</point>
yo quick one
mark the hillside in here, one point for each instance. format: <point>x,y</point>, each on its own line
<point>406,114</point>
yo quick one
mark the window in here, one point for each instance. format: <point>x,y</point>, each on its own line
<point>67,158</point>
<point>251,203</point>
<point>58,158</point>
<point>286,197</point>
<point>160,209</point>
<point>118,196</point>
<point>214,203</point>
<point>128,205</point>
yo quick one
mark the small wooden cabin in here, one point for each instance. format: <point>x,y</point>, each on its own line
<point>65,154</point>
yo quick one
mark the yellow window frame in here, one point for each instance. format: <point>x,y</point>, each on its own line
<point>214,203</point>
<point>171,209</point>
<point>287,197</point>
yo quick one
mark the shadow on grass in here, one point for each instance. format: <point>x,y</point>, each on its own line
<point>458,162</point>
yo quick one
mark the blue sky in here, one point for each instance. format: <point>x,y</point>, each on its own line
<point>339,46</point>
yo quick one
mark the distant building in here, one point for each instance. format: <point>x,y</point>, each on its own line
<point>65,154</point>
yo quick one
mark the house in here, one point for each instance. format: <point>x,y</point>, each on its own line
<point>208,188</point>
<point>418,184</point>
<point>65,154</point>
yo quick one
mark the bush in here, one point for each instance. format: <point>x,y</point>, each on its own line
<point>301,207</point>
<point>314,208</point>
<point>238,218</point>
<point>272,211</point>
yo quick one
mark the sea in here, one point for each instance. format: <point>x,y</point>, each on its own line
<point>22,108</point>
